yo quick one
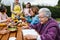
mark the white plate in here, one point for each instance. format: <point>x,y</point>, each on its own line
<point>12,38</point>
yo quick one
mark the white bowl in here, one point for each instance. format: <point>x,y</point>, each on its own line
<point>12,38</point>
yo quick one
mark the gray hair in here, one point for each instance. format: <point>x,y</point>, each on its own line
<point>46,11</point>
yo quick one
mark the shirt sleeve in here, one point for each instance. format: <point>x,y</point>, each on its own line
<point>6,15</point>
<point>11,7</point>
<point>3,20</point>
<point>33,26</point>
<point>50,35</point>
<point>35,20</point>
<point>28,19</point>
<point>21,6</point>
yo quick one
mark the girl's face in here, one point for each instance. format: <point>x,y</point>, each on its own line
<point>27,5</point>
<point>32,13</point>
<point>34,10</point>
<point>4,11</point>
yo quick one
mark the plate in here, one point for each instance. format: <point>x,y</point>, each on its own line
<point>12,38</point>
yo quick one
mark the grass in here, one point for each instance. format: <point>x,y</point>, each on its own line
<point>58,19</point>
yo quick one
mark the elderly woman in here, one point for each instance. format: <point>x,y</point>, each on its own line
<point>48,27</point>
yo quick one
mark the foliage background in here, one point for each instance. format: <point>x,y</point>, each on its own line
<point>55,10</point>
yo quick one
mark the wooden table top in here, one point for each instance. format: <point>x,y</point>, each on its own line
<point>17,34</point>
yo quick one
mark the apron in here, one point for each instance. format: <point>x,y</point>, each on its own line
<point>16,9</point>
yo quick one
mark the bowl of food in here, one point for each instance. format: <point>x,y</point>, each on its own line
<point>14,28</point>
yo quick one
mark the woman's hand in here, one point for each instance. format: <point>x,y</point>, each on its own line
<point>9,19</point>
<point>14,12</point>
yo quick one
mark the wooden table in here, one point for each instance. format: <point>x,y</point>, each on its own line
<point>17,34</point>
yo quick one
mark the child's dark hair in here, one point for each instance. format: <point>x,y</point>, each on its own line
<point>29,4</point>
<point>2,8</point>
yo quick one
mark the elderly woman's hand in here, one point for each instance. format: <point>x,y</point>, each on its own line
<point>25,27</point>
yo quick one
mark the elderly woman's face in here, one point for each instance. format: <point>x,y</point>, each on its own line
<point>42,18</point>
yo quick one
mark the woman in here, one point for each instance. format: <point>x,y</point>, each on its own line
<point>3,19</point>
<point>16,9</point>
<point>3,15</point>
<point>26,10</point>
<point>47,28</point>
<point>33,18</point>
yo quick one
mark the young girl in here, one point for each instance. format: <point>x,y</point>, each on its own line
<point>33,19</point>
<point>3,19</point>
<point>26,10</point>
<point>3,15</point>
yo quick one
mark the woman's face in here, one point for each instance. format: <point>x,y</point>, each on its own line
<point>32,13</point>
<point>42,18</point>
<point>16,1</point>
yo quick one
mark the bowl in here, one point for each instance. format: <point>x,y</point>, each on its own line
<point>12,28</point>
<point>12,38</point>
